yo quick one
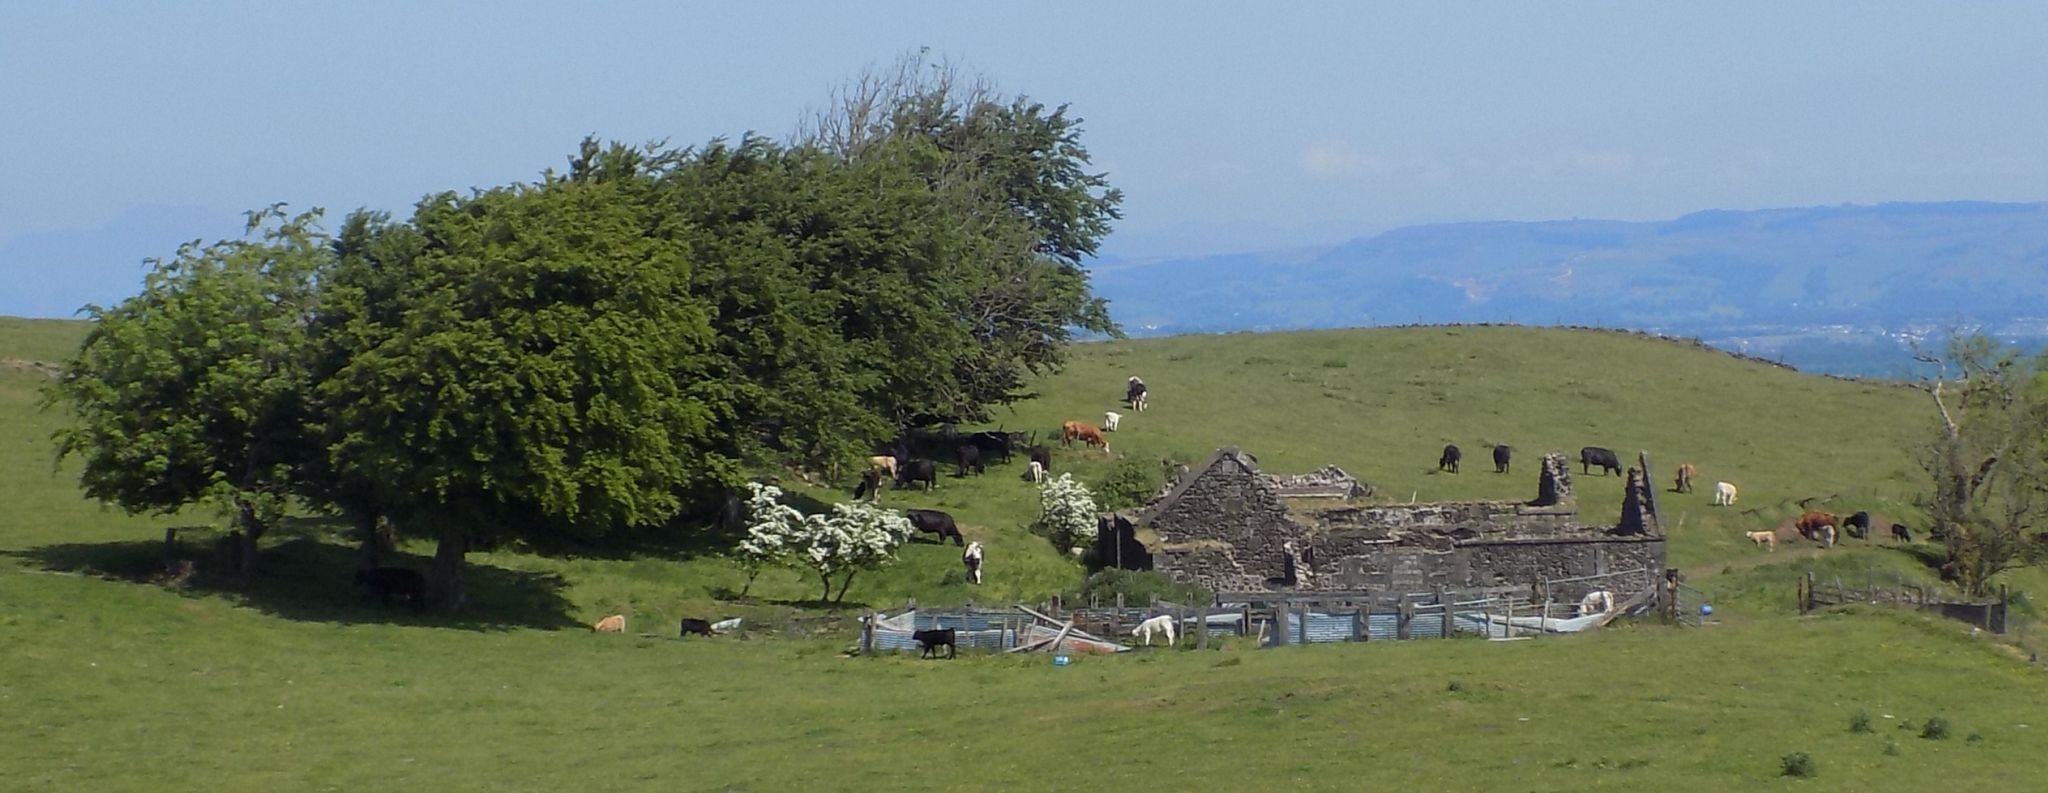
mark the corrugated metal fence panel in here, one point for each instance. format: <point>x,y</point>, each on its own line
<point>1383,627</point>
<point>972,621</point>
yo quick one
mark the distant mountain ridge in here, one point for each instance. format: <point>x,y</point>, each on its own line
<point>1888,271</point>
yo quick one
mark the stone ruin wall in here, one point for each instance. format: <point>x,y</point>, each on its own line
<point>1226,531</point>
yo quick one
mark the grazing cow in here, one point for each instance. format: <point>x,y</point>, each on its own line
<point>1768,538</point>
<point>1448,461</point>
<point>1160,624</point>
<point>1857,525</point>
<point>1042,456</point>
<point>1724,494</point>
<point>1900,533</point>
<point>699,627</point>
<point>1596,602</point>
<point>932,521</point>
<point>1501,453</point>
<point>1110,419</point>
<point>1035,473</point>
<point>870,486</point>
<point>615,623</point>
<point>1685,476</point>
<point>968,456</point>
<point>1817,526</point>
<point>932,640</point>
<point>924,471</point>
<point>972,559</point>
<point>883,462</point>
<point>1135,394</point>
<point>1593,455</point>
<point>1084,432</point>
<point>387,581</point>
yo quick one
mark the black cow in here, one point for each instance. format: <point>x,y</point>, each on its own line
<point>1500,458</point>
<point>1450,458</point>
<point>1857,525</point>
<point>932,640</point>
<point>994,444</point>
<point>968,456</point>
<point>870,484</point>
<point>924,471</point>
<point>1594,455</point>
<point>1899,533</point>
<point>699,627</point>
<point>1134,393</point>
<point>387,581</point>
<point>932,521</point>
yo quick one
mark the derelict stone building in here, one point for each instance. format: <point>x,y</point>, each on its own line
<point>1229,528</point>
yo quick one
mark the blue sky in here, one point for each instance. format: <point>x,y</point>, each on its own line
<point>127,127</point>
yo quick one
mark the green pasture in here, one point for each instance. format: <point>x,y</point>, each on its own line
<point>293,682</point>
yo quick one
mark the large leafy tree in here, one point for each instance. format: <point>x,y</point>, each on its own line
<point>1987,459</point>
<point>193,391</point>
<point>526,361</point>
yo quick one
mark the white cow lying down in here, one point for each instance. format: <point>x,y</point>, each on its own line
<point>1163,622</point>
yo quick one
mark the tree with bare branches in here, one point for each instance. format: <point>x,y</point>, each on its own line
<point>1986,457</point>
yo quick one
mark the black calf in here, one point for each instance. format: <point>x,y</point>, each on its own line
<point>932,640</point>
<point>1857,525</point>
<point>1900,533</point>
<point>969,457</point>
<point>1500,459</point>
<point>1450,458</point>
<point>387,581</point>
<point>699,627</point>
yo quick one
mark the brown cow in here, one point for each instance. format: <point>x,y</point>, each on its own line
<point>1084,432</point>
<point>1817,526</point>
<point>615,623</point>
<point>1686,473</point>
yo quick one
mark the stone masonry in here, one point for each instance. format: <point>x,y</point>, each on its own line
<point>1230,528</point>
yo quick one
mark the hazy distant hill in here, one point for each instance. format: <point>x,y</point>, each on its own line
<point>1774,277</point>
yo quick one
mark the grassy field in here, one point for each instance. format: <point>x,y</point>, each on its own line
<point>110,684</point>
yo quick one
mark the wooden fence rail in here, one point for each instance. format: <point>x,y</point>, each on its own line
<point>1817,593</point>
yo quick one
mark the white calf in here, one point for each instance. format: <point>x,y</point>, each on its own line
<point>1598,602</point>
<point>1769,538</point>
<point>1163,622</point>
<point>1036,472</point>
<point>1724,494</point>
<point>1110,419</point>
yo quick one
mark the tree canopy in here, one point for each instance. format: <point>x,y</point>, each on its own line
<point>1986,457</point>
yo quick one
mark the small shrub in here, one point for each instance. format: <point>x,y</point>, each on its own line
<point>1336,363</point>
<point>1936,728</point>
<point>1129,483</point>
<point>1975,737</point>
<point>1798,764</point>
<point>1860,722</point>
<point>1891,747</point>
<point>1455,686</point>
<point>1231,661</point>
<point>1908,725</point>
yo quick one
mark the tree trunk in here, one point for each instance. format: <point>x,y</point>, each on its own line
<point>749,585</point>
<point>374,538</point>
<point>827,578</point>
<point>444,578</point>
<point>843,585</point>
<point>252,530</point>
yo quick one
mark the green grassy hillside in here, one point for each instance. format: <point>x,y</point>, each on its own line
<point>107,683</point>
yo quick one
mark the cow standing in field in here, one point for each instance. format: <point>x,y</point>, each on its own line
<point>1042,456</point>
<point>1501,455</point>
<point>1135,394</point>
<point>1724,494</point>
<point>1448,461</point>
<point>933,639</point>
<point>1685,476</point>
<point>1857,525</point>
<point>932,521</point>
<point>1084,432</point>
<point>924,471</point>
<point>1593,455</point>
<point>885,463</point>
<point>1900,533</point>
<point>1765,538</point>
<point>969,458</point>
<point>699,627</point>
<point>971,558</point>
<point>870,487</point>
<point>1817,526</point>
<point>615,623</point>
<point>1110,419</point>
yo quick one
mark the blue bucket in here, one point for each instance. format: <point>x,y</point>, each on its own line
<point>1061,660</point>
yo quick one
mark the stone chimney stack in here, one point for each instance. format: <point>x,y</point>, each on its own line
<point>1554,484</point>
<point>1638,505</point>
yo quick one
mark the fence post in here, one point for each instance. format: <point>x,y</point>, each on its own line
<point>1358,624</point>
<point>867,635</point>
<point>1202,630</point>
<point>1301,624</point>
<point>1445,631</point>
<point>1404,612</point>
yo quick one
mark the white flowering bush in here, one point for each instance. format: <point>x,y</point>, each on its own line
<point>1067,511</point>
<point>774,532</point>
<point>854,537</point>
